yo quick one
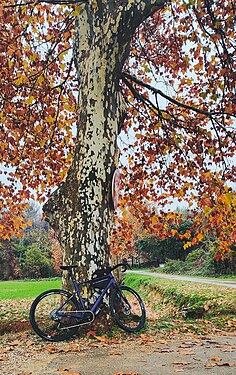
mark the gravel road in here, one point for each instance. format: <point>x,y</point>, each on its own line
<point>224,283</point>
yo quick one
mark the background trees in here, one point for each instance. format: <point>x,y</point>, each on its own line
<point>35,254</point>
<point>178,140</point>
<point>160,250</point>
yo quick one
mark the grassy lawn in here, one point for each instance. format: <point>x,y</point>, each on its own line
<point>26,289</point>
<point>172,306</point>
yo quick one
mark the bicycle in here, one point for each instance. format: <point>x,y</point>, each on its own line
<point>57,314</point>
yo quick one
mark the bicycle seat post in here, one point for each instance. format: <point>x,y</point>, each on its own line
<point>71,275</point>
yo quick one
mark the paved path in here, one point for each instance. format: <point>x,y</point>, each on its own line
<point>224,283</point>
<point>190,355</point>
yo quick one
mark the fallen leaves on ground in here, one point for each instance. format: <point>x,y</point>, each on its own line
<point>67,371</point>
<point>185,351</point>
<point>147,339</point>
<point>164,350</point>
<point>221,364</point>
<point>182,363</point>
<point>4,358</point>
<point>116,353</point>
<point>102,338</point>
<point>65,349</point>
<point>216,358</point>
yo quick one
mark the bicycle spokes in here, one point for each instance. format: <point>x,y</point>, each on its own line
<point>128,309</point>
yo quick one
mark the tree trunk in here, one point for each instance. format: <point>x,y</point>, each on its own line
<point>81,209</point>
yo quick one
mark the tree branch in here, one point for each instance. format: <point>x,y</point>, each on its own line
<point>156,109</point>
<point>136,11</point>
<point>58,2</point>
<point>161,93</point>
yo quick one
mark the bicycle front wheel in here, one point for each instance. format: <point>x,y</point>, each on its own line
<point>51,315</point>
<point>128,309</point>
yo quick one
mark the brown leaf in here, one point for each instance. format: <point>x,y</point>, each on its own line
<point>146,338</point>
<point>211,365</point>
<point>4,358</point>
<point>184,363</point>
<point>187,353</point>
<point>115,353</point>
<point>216,358</point>
<point>229,364</point>
<point>15,343</point>
<point>91,333</point>
<point>4,351</point>
<point>51,348</point>
<point>73,348</point>
<point>185,346</point>
<point>24,335</point>
<point>164,350</point>
<point>29,343</point>
<point>104,339</point>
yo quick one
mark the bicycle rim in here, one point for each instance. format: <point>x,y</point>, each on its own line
<point>128,309</point>
<point>45,319</point>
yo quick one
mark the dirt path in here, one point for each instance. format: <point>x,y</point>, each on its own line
<point>225,283</point>
<point>25,354</point>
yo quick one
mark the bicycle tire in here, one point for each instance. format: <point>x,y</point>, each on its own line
<point>127,309</point>
<point>45,321</point>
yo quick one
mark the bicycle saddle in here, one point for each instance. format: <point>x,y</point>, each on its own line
<point>68,267</point>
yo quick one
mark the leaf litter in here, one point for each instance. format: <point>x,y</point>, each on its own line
<point>28,346</point>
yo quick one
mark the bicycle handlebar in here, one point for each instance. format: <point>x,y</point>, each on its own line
<point>125,266</point>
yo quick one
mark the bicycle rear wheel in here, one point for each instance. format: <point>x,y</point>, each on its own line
<point>128,309</point>
<point>50,315</point>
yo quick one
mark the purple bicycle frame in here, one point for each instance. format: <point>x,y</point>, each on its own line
<point>99,298</point>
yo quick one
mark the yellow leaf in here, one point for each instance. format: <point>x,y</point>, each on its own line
<point>40,80</point>
<point>68,107</point>
<point>77,10</point>
<point>19,80</point>
<point>42,142</point>
<point>30,100</point>
<point>200,236</point>
<point>227,198</point>
<point>154,220</point>
<point>187,245</point>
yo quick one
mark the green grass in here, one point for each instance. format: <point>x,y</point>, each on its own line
<point>26,289</point>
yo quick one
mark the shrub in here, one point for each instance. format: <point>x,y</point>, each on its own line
<point>36,263</point>
<point>202,262</point>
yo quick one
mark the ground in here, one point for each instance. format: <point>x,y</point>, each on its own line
<point>178,346</point>
<point>154,353</point>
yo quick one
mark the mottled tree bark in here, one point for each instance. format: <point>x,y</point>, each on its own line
<point>81,209</point>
